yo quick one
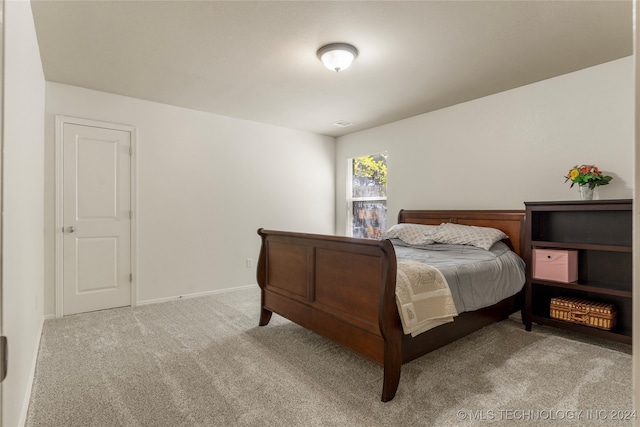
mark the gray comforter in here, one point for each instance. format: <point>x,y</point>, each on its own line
<point>477,278</point>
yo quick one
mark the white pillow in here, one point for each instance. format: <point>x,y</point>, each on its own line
<point>459,234</point>
<point>413,234</point>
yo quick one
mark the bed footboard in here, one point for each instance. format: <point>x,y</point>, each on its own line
<point>339,287</point>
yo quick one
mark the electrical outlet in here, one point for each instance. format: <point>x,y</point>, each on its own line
<point>248,262</point>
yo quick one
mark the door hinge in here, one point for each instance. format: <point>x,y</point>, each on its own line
<point>130,277</point>
<point>131,151</point>
<point>130,214</point>
<point>4,358</point>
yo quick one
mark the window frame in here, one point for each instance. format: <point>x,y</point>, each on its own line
<point>351,199</point>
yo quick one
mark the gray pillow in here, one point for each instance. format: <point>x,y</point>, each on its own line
<point>459,234</point>
<point>413,234</point>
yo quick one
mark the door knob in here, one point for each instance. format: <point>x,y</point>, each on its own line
<point>71,229</point>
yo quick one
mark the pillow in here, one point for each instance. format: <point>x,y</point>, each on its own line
<point>458,234</point>
<point>414,234</point>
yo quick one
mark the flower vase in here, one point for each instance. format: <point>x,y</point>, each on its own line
<point>586,193</point>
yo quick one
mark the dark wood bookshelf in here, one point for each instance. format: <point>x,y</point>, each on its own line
<point>601,232</point>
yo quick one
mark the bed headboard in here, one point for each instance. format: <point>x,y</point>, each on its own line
<point>511,222</point>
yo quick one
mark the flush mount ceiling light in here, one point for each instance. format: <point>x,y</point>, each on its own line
<point>337,56</point>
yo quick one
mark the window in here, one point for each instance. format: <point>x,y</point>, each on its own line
<point>367,196</point>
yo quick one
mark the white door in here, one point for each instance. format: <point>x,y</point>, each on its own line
<point>96,186</point>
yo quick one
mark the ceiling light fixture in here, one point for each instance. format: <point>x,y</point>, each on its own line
<point>337,56</point>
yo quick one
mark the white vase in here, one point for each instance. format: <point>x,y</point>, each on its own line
<point>586,193</point>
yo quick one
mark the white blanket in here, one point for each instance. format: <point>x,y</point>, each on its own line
<point>423,297</point>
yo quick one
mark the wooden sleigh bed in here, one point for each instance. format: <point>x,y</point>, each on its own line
<point>344,289</point>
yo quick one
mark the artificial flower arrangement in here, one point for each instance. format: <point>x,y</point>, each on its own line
<point>587,175</point>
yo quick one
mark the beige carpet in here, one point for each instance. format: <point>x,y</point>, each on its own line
<point>204,362</point>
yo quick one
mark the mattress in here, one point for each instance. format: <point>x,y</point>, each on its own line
<point>476,277</point>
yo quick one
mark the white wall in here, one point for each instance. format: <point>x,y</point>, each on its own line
<point>499,151</point>
<point>22,182</point>
<point>206,183</point>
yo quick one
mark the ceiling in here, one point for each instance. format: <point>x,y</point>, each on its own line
<point>256,60</point>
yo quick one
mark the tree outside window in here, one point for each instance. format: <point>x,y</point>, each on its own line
<point>368,196</point>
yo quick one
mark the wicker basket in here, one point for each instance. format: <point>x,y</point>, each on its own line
<point>590,313</point>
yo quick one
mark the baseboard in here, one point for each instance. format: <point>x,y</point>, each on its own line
<point>32,375</point>
<point>195,295</point>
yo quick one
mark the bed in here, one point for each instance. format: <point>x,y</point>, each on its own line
<point>345,289</point>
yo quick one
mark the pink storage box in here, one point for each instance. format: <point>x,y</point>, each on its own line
<point>554,264</point>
